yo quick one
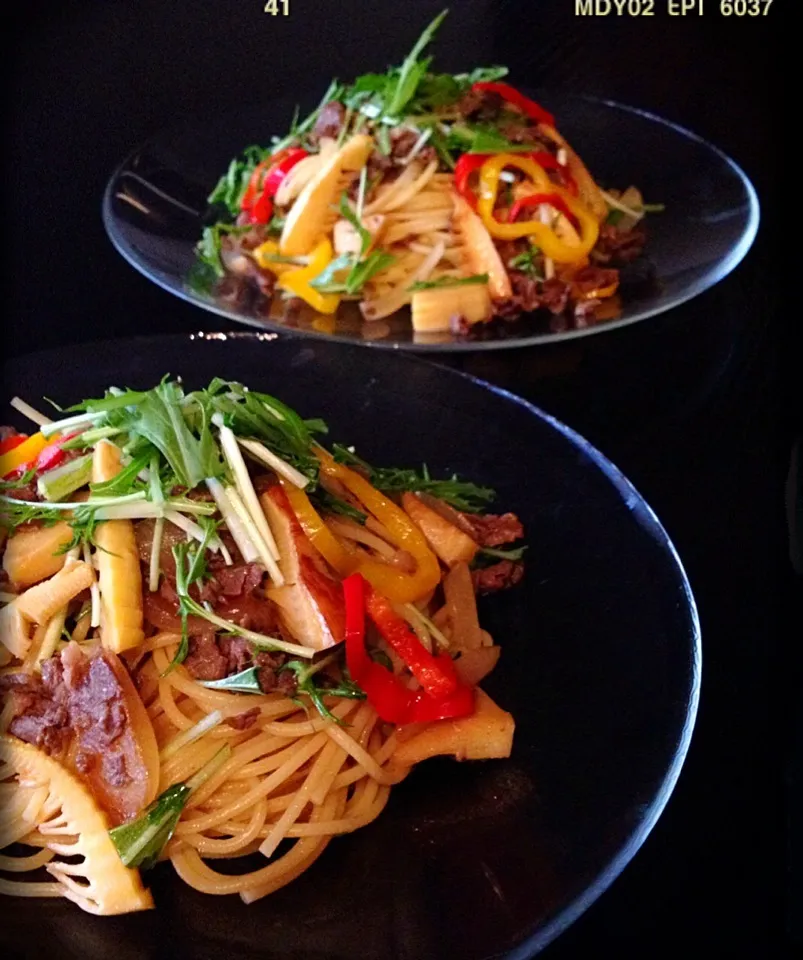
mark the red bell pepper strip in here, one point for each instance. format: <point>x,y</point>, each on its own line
<point>54,454</point>
<point>392,700</point>
<point>435,674</point>
<point>265,181</point>
<point>11,442</point>
<point>281,167</point>
<point>536,200</point>
<point>527,106</point>
<point>466,165</point>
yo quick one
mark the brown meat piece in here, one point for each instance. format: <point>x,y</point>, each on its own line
<point>592,278</point>
<point>617,246</point>
<point>77,695</point>
<point>493,530</point>
<point>329,122</point>
<point>555,295</point>
<point>206,661</point>
<point>242,721</point>
<point>500,576</point>
<point>239,579</point>
<point>482,105</point>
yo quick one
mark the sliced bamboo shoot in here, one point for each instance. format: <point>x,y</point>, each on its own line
<point>308,215</point>
<point>75,828</point>
<point>33,555</point>
<point>487,734</point>
<point>119,573</point>
<point>41,602</point>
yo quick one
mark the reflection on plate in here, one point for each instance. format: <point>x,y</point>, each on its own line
<point>600,668</point>
<point>155,203</point>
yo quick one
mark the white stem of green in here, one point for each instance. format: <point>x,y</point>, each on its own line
<point>149,511</point>
<point>422,618</point>
<point>94,590</point>
<point>255,536</point>
<point>245,488</point>
<point>80,420</point>
<point>156,552</point>
<point>260,452</point>
<point>94,502</point>
<point>209,769</point>
<point>196,532</point>
<point>613,202</point>
<point>30,412</point>
<point>417,146</point>
<point>236,529</point>
<point>209,722</point>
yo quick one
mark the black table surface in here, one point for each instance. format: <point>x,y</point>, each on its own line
<point>699,407</point>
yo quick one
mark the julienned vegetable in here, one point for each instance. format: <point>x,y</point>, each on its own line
<point>205,602</point>
<point>373,196</point>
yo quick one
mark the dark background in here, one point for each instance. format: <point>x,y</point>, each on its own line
<point>699,407</point>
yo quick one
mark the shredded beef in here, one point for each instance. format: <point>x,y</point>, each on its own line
<point>213,658</point>
<point>618,246</point>
<point>592,278</point>
<point>555,295</point>
<point>484,105</point>
<point>402,142</point>
<point>206,661</point>
<point>238,579</point>
<point>329,122</point>
<point>492,530</point>
<point>242,721</point>
<point>237,654</point>
<point>75,695</point>
<point>500,576</point>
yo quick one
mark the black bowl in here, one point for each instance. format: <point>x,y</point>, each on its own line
<point>600,667</point>
<point>154,207</point>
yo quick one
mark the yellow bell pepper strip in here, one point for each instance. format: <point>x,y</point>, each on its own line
<point>23,453</point>
<point>392,583</point>
<point>396,585</point>
<point>297,280</point>
<point>339,558</point>
<point>546,238</point>
<point>264,256</point>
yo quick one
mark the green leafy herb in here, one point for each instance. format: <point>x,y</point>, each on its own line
<point>527,262</point>
<point>232,185</point>
<point>246,681</point>
<point>615,216</point>
<point>461,494</point>
<point>412,70</point>
<point>514,553</point>
<point>306,684</point>
<point>126,480</point>
<point>140,843</point>
<point>324,500</point>
<point>443,282</point>
<point>208,248</point>
<point>193,455</point>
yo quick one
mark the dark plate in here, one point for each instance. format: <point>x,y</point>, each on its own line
<point>154,205</point>
<point>601,669</point>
